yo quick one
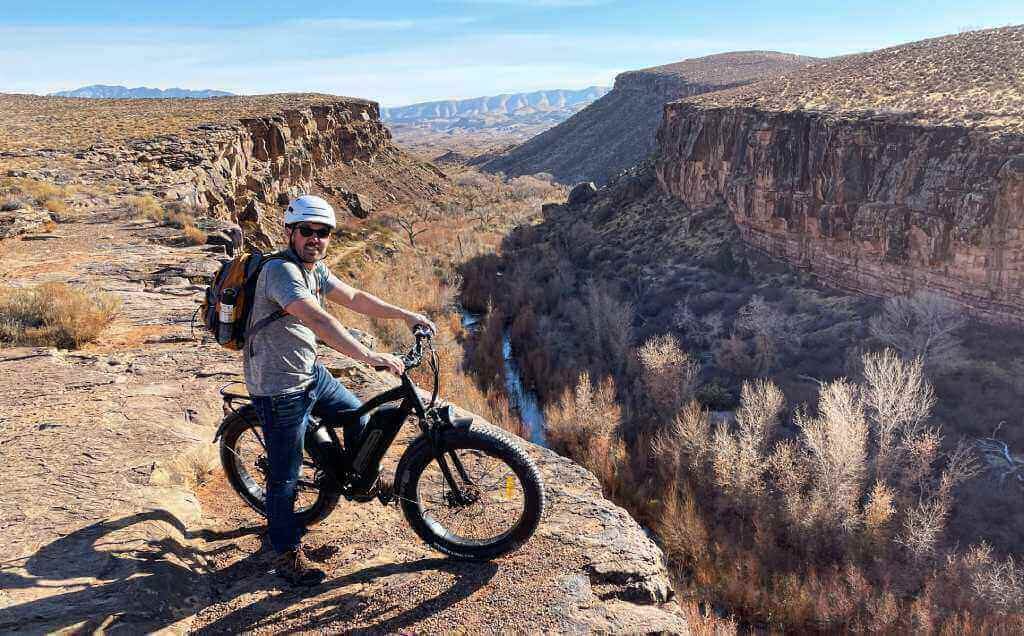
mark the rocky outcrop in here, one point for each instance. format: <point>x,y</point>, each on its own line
<point>618,130</point>
<point>22,220</point>
<point>878,201</point>
<point>240,160</point>
<point>234,170</point>
<point>117,516</point>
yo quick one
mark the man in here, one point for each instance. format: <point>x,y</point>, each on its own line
<point>281,371</point>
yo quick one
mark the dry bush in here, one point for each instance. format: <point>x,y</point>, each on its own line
<point>610,324</point>
<point>54,314</point>
<point>837,444</point>
<point>194,236</point>
<point>999,583</point>
<point>923,326</point>
<point>57,206</point>
<point>20,192</point>
<point>702,331</point>
<point>585,425</point>
<point>822,531</point>
<point>685,444</point>
<point>669,374</point>
<point>147,207</point>
<point>739,458</point>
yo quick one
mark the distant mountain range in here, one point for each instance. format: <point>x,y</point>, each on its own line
<point>101,91</point>
<point>551,106</point>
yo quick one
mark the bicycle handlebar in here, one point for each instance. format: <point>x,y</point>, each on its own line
<point>414,356</point>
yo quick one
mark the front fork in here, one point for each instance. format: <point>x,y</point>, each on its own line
<point>460,495</point>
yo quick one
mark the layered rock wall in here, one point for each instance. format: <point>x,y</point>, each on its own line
<point>232,170</point>
<point>871,204</point>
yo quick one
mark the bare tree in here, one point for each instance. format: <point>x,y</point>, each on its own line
<point>924,326</point>
<point>669,373</point>
<point>898,402</point>
<point>997,457</point>
<point>703,330</point>
<point>837,443</point>
<point>415,221</point>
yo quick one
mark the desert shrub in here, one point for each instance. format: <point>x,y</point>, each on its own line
<point>57,206</point>
<point>825,535</point>
<point>585,424</point>
<point>527,187</point>
<point>923,325</point>
<point>147,207</point>
<point>54,314</point>
<point>669,374</point>
<point>176,214</point>
<point>193,235</point>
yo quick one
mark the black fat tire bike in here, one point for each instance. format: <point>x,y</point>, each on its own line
<point>468,490</point>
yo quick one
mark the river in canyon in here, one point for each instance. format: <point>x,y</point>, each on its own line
<point>522,400</point>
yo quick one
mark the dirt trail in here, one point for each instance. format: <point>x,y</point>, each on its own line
<point>115,515</point>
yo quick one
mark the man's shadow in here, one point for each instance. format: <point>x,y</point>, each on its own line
<point>150,583</point>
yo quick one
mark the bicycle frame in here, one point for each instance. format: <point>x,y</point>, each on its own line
<point>433,421</point>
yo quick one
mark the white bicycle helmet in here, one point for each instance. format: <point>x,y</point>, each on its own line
<point>312,209</point>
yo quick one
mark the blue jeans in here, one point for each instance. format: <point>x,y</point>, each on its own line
<point>284,419</point>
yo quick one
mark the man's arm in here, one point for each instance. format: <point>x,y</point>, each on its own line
<point>334,335</point>
<point>369,305</point>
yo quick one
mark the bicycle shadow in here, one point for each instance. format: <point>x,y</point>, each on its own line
<point>327,613</point>
<point>137,582</point>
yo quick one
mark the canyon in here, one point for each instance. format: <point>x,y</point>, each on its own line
<point>883,173</point>
<point>136,528</point>
<point>618,130</point>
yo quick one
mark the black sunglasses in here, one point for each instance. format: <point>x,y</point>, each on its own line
<point>307,231</point>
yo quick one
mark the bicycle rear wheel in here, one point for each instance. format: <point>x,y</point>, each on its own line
<point>243,455</point>
<point>496,505</point>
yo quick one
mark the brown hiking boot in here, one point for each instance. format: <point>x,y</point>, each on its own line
<point>296,568</point>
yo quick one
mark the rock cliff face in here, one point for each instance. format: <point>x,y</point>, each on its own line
<point>618,130</point>
<point>235,170</point>
<point>231,157</point>
<point>881,201</point>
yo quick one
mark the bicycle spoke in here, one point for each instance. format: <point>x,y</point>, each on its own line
<point>497,498</point>
<point>259,437</point>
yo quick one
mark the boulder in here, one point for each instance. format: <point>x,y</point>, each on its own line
<point>358,204</point>
<point>21,221</point>
<point>582,193</point>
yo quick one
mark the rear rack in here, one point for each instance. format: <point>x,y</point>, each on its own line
<point>230,393</point>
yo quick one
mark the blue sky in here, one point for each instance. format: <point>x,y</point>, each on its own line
<point>403,52</point>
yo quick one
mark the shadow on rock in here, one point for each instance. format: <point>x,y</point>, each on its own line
<point>326,613</point>
<point>133,573</point>
<point>136,576</point>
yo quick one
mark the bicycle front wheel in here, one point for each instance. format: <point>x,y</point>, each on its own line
<point>490,505</point>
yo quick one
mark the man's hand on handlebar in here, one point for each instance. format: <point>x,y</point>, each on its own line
<point>386,362</point>
<point>415,320</point>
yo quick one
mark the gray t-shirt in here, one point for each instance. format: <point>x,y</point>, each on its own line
<point>279,358</point>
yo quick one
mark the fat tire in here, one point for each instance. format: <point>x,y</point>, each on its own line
<point>496,443</point>
<point>232,428</point>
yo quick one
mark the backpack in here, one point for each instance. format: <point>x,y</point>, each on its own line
<point>227,304</point>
